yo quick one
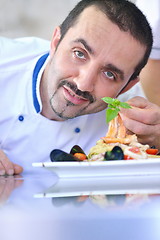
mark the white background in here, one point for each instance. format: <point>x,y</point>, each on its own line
<point>19,18</point>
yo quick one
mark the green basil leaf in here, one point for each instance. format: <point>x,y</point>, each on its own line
<point>113,107</point>
<point>116,102</point>
<point>111,114</point>
<point>124,105</point>
<point>108,100</point>
<point>117,109</point>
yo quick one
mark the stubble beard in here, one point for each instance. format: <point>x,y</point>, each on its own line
<point>62,114</point>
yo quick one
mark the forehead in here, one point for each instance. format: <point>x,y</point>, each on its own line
<point>106,39</point>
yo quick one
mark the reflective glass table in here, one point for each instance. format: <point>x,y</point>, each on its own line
<point>39,205</point>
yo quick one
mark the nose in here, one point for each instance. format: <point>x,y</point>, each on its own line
<point>86,79</point>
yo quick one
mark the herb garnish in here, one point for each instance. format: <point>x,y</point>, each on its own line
<point>113,107</point>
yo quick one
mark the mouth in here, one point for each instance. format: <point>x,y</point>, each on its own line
<point>72,97</point>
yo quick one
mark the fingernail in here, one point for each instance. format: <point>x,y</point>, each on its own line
<point>10,172</point>
<point>2,172</point>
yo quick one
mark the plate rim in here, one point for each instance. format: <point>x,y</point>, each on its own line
<point>97,163</point>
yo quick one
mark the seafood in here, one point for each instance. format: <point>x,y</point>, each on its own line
<point>58,155</point>
<point>116,145</point>
<point>117,136</point>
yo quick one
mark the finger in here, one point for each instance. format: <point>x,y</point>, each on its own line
<point>146,140</point>
<point>7,167</point>
<point>2,170</point>
<point>7,164</point>
<point>17,169</point>
<point>147,134</point>
<point>139,102</point>
<point>150,116</point>
<point>140,128</point>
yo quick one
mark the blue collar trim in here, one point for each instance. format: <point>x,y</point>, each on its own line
<point>37,68</point>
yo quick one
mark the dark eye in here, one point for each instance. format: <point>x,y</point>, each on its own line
<point>109,75</point>
<point>79,54</point>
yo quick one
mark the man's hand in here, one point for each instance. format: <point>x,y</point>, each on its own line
<point>7,167</point>
<point>143,119</point>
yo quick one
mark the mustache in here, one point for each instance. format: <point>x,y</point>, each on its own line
<point>73,87</point>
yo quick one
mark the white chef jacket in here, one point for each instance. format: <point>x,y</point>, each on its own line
<point>25,135</point>
<point>151,10</point>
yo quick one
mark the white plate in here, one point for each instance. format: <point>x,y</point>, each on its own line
<point>138,167</point>
<point>102,186</point>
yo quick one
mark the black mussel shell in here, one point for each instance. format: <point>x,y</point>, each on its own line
<point>76,149</point>
<point>118,153</point>
<point>109,155</point>
<point>153,147</point>
<point>58,155</point>
<point>115,154</point>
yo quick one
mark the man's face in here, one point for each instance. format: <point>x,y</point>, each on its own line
<point>95,59</point>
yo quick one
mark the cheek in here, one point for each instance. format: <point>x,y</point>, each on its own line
<point>98,106</point>
<point>106,90</point>
<point>64,67</point>
<point>67,63</point>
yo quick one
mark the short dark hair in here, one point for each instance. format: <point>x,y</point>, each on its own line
<point>125,15</point>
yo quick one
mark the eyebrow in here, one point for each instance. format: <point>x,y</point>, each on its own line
<point>115,69</point>
<point>107,66</point>
<point>85,44</point>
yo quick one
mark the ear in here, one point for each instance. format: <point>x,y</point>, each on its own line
<point>55,40</point>
<point>129,85</point>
